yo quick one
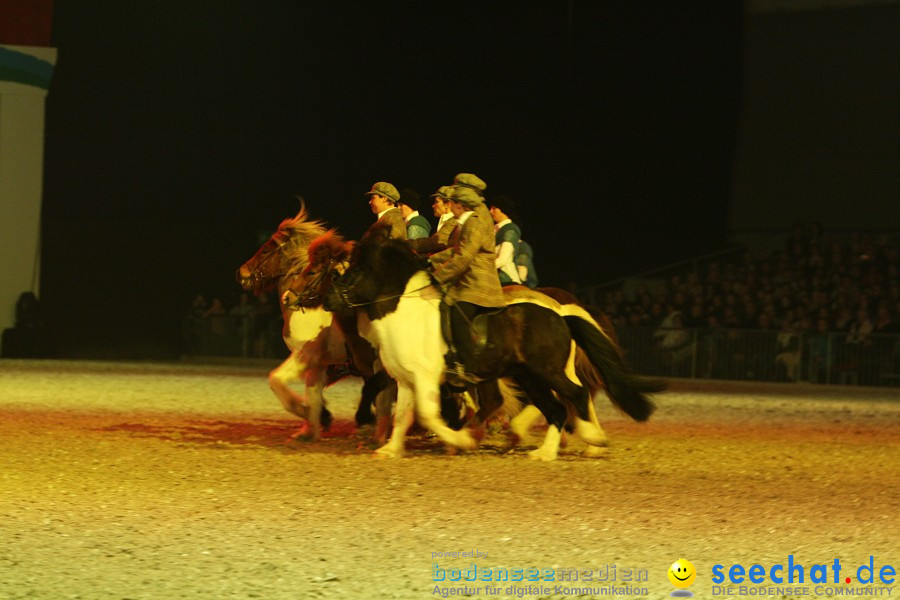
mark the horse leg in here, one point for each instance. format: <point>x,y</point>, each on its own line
<point>403,419</point>
<point>490,399</point>
<point>373,385</point>
<point>566,384</point>
<point>593,451</point>
<point>452,405</point>
<point>384,402</point>
<point>549,405</point>
<point>318,353</point>
<point>315,400</point>
<point>587,427</point>
<point>521,424</point>
<point>290,370</point>
<point>428,407</point>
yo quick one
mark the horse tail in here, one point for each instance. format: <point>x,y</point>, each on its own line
<point>587,373</point>
<point>514,399</point>
<point>626,389</point>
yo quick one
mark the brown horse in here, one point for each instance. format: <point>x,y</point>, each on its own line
<point>314,337</point>
<point>587,373</point>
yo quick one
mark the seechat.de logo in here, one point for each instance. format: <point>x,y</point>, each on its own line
<point>794,572</point>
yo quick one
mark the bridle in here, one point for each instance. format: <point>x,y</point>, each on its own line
<point>312,291</point>
<point>257,278</point>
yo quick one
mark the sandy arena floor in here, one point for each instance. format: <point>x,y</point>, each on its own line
<point>176,481</point>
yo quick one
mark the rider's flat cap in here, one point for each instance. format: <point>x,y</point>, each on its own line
<point>383,188</point>
<point>466,196</point>
<point>470,181</point>
<point>443,192</point>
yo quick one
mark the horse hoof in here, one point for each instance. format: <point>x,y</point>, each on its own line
<point>305,433</point>
<point>363,419</point>
<point>542,455</point>
<point>466,441</point>
<point>595,452</point>
<point>521,432</point>
<point>325,419</point>
<point>591,434</point>
<point>388,452</point>
<point>451,450</point>
<point>523,440</point>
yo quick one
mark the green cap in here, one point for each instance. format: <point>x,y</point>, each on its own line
<point>466,196</point>
<point>470,181</point>
<point>383,188</point>
<point>443,192</point>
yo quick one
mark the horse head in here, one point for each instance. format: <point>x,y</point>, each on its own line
<point>329,256</point>
<point>282,254</point>
<point>379,270</point>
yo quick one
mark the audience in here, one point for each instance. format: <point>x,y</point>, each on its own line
<point>817,284</point>
<point>251,327</point>
<point>844,282</point>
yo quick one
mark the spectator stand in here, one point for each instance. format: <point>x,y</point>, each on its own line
<point>812,307</point>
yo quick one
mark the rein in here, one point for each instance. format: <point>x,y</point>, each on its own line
<point>311,292</point>
<point>344,292</point>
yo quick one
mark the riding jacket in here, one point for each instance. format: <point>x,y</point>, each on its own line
<point>391,219</point>
<point>467,265</point>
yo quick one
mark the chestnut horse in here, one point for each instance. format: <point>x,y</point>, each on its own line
<point>314,337</point>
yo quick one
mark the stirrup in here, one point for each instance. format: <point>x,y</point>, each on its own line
<point>457,377</point>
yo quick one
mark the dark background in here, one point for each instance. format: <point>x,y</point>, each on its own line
<point>179,132</point>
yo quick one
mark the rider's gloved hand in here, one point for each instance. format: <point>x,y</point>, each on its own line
<point>434,281</point>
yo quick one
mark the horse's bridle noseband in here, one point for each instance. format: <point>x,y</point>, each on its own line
<point>312,291</point>
<point>257,278</point>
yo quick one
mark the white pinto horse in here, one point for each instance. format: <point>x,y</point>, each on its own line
<point>399,313</point>
<point>417,367</point>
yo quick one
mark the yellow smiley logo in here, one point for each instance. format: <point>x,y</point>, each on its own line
<point>682,573</point>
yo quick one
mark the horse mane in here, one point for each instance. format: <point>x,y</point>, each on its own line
<point>300,232</point>
<point>395,256</point>
<point>392,246</point>
<point>391,263</point>
<point>329,245</point>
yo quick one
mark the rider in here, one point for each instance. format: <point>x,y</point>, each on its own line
<point>417,226</point>
<point>476,184</point>
<point>437,241</point>
<point>507,239</point>
<point>466,270</point>
<point>441,208</point>
<point>383,198</point>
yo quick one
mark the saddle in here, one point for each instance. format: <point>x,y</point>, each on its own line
<point>478,327</point>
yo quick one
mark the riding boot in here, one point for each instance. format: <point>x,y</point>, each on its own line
<point>462,350</point>
<point>447,330</point>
